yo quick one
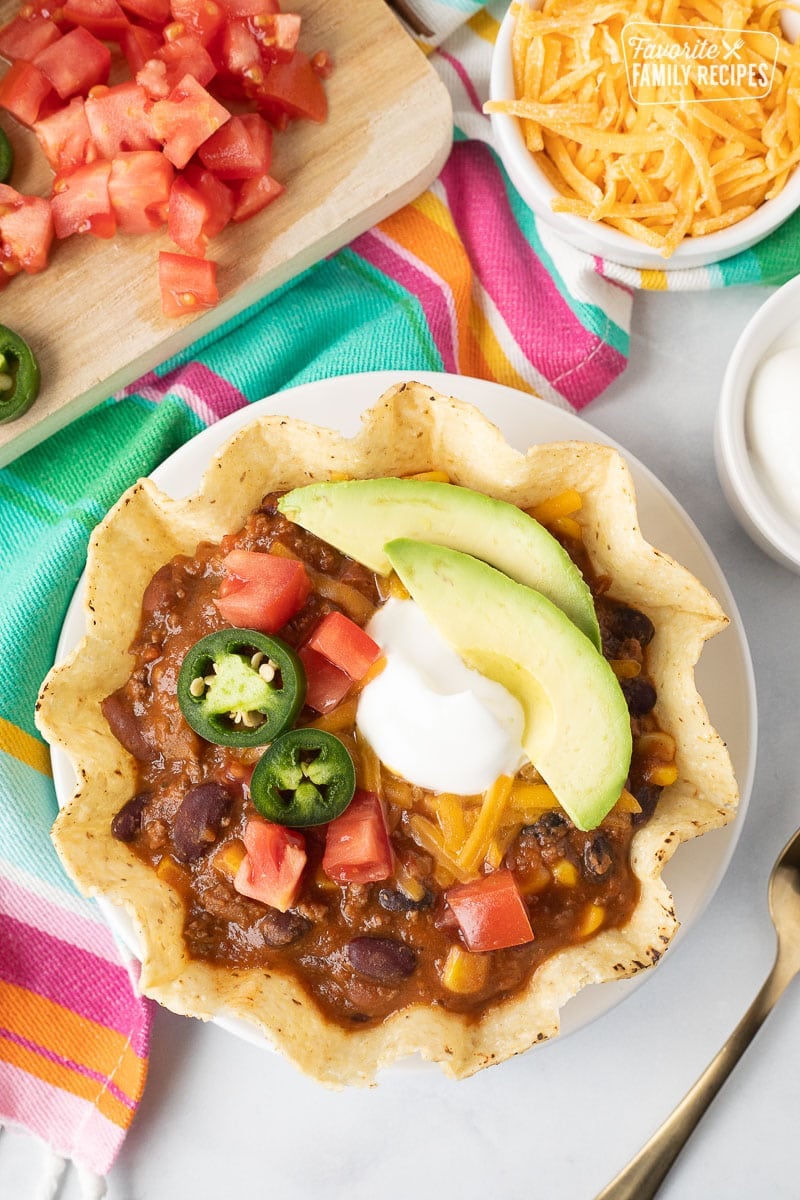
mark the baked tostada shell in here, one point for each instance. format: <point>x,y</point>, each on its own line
<point>410,429</point>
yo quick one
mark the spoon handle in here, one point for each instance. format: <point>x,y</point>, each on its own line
<point>644,1174</point>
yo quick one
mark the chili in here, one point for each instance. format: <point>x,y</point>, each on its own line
<point>239,687</point>
<point>6,157</point>
<point>306,777</point>
<point>19,375</point>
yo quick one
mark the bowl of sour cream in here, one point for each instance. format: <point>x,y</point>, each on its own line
<point>757,434</point>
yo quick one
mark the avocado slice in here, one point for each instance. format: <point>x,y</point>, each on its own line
<point>577,727</point>
<point>360,516</point>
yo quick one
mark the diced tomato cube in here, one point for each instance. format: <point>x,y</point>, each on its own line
<point>277,36</point>
<point>65,137</point>
<point>155,11</point>
<point>26,232</point>
<point>186,119</point>
<point>218,197</point>
<point>262,591</point>
<point>186,56</point>
<point>139,187</point>
<point>241,149</point>
<point>103,18</point>
<point>490,911</point>
<point>255,194</point>
<point>272,869</point>
<point>294,88</point>
<point>119,119</point>
<point>357,845</point>
<point>326,685</point>
<point>81,203</point>
<point>204,18</point>
<point>188,285</point>
<point>138,45</point>
<point>25,36</point>
<point>75,63</point>
<point>239,50</point>
<point>344,644</point>
<point>249,8</point>
<point>188,217</point>
<point>23,89</point>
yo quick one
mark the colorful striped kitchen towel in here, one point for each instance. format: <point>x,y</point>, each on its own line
<point>463,280</point>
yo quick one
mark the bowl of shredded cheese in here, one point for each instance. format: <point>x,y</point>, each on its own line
<point>656,133</point>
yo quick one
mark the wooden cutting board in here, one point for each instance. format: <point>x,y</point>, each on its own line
<point>94,317</point>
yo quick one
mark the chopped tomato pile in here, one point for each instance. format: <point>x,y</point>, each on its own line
<point>184,141</point>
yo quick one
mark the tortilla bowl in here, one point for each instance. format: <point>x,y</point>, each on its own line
<point>410,429</point>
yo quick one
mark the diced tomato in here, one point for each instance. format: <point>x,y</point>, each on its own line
<point>241,149</point>
<point>239,51</point>
<point>204,18</point>
<point>295,89</point>
<point>23,89</point>
<point>261,591</point>
<point>218,197</point>
<point>155,11</point>
<point>186,118</point>
<point>188,217</point>
<point>490,911</point>
<point>326,685</point>
<point>81,203</point>
<point>344,644</point>
<point>103,18</point>
<point>119,119</point>
<point>65,137</point>
<point>26,232</point>
<point>249,8</point>
<point>139,187</point>
<point>272,869</point>
<point>255,194</point>
<point>25,36</point>
<point>188,285</point>
<point>357,846</point>
<point>186,56</point>
<point>75,63</point>
<point>138,45</point>
<point>277,36</point>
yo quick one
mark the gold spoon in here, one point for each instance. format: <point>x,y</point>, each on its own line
<point>645,1173</point>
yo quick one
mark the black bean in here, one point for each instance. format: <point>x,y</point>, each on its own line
<point>627,623</point>
<point>551,827</point>
<point>279,928</point>
<point>124,725</point>
<point>128,821</point>
<point>394,900</point>
<point>382,958</point>
<point>597,857</point>
<point>199,820</point>
<point>647,797</point>
<point>640,695</point>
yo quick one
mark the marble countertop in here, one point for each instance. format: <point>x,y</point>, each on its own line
<point>221,1119</point>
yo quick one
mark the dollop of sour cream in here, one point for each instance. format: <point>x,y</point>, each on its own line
<point>773,429</point>
<point>431,719</point>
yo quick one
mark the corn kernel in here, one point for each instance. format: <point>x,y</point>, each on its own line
<point>464,972</point>
<point>229,858</point>
<point>565,873</point>
<point>593,918</point>
<point>567,527</point>
<point>397,589</point>
<point>170,872</point>
<point>339,477</point>
<point>627,803</point>
<point>534,880</point>
<point>657,745</point>
<point>662,774</point>
<point>563,505</point>
<point>430,477</point>
<point>625,668</point>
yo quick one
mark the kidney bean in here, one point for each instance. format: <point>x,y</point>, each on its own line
<point>125,727</point>
<point>199,820</point>
<point>382,958</point>
<point>395,900</point>
<point>640,695</point>
<point>597,857</point>
<point>128,821</point>
<point>627,623</point>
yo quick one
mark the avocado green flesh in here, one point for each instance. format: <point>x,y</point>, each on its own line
<point>360,516</point>
<point>577,726</point>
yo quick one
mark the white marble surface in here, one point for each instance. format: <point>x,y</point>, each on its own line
<point>221,1119</point>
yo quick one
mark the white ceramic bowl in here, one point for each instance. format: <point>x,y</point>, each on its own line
<point>595,237</point>
<point>751,505</point>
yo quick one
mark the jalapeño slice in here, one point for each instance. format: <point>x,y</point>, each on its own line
<point>19,375</point>
<point>238,687</point>
<point>306,777</point>
<point>6,157</point>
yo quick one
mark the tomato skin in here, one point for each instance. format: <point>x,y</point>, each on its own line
<point>204,18</point>
<point>261,591</point>
<point>81,203</point>
<point>139,187</point>
<point>272,869</point>
<point>357,846</point>
<point>295,89</point>
<point>188,284</point>
<point>104,18</point>
<point>24,37</point>
<point>119,119</point>
<point>344,644</point>
<point>138,45</point>
<point>186,118</point>
<point>241,149</point>
<point>490,911</point>
<point>326,685</point>
<point>65,137</point>
<point>23,90</point>
<point>26,232</point>
<point>255,194</point>
<point>155,11</point>
<point>75,63</point>
<point>249,8</point>
<point>217,196</point>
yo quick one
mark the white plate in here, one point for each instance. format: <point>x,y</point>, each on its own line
<point>724,674</point>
